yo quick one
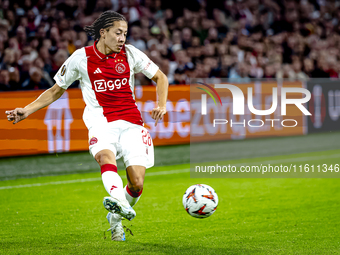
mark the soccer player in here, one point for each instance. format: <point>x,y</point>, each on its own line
<point>106,71</point>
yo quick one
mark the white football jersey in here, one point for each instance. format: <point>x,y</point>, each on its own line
<point>107,82</point>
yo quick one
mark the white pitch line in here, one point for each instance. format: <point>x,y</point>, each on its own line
<point>89,180</point>
<point>171,172</point>
<point>49,183</point>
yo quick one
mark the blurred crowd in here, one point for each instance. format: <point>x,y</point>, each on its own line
<point>235,39</point>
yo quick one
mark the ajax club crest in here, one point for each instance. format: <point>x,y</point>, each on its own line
<point>120,68</point>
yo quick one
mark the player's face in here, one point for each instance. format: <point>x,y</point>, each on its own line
<point>116,36</point>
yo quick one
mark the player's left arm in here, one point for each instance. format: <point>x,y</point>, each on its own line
<point>162,93</point>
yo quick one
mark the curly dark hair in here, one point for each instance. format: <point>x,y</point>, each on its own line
<point>104,21</point>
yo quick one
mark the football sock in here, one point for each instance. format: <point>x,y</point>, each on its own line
<point>112,181</point>
<point>132,196</point>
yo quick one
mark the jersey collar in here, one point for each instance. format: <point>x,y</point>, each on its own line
<point>103,56</point>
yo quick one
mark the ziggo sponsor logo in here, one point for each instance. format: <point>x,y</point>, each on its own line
<point>103,85</point>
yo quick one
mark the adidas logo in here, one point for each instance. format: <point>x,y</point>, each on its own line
<point>97,71</point>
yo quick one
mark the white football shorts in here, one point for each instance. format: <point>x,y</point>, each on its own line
<point>130,141</point>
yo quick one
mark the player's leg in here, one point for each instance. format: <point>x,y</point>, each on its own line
<point>135,176</point>
<point>113,184</point>
<point>111,180</point>
<point>138,155</point>
<point>103,147</point>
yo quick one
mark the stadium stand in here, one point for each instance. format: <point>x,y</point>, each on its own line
<point>239,39</point>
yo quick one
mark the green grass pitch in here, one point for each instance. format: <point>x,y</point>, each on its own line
<point>64,215</point>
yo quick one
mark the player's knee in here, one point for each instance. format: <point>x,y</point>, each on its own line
<point>103,158</point>
<point>137,186</point>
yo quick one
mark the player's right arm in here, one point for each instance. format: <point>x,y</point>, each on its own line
<point>45,99</point>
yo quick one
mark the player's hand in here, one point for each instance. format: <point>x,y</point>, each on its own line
<point>16,115</point>
<point>158,113</point>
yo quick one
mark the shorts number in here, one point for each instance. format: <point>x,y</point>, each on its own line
<point>146,137</point>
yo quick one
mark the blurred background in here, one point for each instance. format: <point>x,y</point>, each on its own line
<point>239,39</point>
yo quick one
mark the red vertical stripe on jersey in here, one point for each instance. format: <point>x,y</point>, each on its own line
<point>110,79</point>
